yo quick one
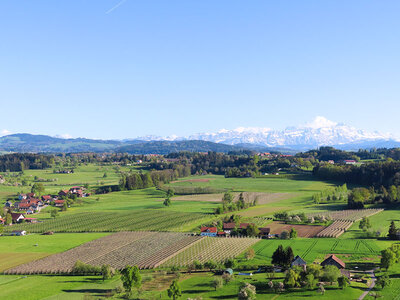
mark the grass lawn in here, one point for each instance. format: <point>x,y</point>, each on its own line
<point>49,287</point>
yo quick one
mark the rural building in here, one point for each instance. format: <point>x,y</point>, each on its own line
<point>63,193</point>
<point>349,162</point>
<point>228,271</point>
<point>332,260</point>
<point>59,203</point>
<point>47,198</point>
<point>2,180</point>
<point>221,233</point>
<point>17,217</point>
<point>228,227</point>
<point>208,231</point>
<point>18,232</point>
<point>2,220</point>
<point>298,261</point>
<point>264,232</point>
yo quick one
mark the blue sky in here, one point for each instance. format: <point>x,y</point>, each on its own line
<point>178,67</point>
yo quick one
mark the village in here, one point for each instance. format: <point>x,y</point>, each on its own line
<point>27,205</point>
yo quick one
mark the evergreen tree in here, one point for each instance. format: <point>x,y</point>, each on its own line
<point>392,231</point>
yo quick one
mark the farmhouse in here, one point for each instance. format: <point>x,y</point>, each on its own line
<point>2,180</point>
<point>332,260</point>
<point>208,231</point>
<point>2,220</point>
<point>264,232</point>
<point>228,227</point>
<point>17,217</point>
<point>47,198</point>
<point>59,203</point>
<point>18,232</point>
<point>298,261</point>
<point>63,193</point>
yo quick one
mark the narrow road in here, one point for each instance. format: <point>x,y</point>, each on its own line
<point>371,286</point>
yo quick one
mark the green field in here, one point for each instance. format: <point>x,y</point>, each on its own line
<point>144,210</point>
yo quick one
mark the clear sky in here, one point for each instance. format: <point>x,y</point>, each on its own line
<point>121,69</point>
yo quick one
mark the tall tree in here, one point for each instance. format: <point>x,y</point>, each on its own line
<point>130,277</point>
<point>174,290</point>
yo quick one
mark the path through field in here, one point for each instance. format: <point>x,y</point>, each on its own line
<point>371,286</point>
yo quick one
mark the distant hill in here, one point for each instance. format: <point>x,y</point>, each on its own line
<point>166,147</point>
<point>24,142</point>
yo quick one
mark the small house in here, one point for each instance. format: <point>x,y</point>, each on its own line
<point>18,232</point>
<point>298,261</point>
<point>47,198</point>
<point>59,203</point>
<point>208,231</point>
<point>17,217</point>
<point>221,233</point>
<point>264,232</point>
<point>63,193</point>
<point>332,260</point>
<point>228,227</point>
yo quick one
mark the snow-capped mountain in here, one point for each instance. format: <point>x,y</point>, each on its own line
<point>319,132</point>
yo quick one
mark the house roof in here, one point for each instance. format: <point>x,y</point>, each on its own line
<point>336,259</point>
<point>221,233</point>
<point>298,261</point>
<point>46,197</point>
<point>230,225</point>
<point>245,225</point>
<point>209,229</point>
<point>264,229</point>
<point>15,216</point>
<point>59,201</point>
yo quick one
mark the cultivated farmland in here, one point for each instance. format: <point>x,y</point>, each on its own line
<point>154,220</point>
<point>349,214</point>
<point>308,231</point>
<point>144,249</point>
<point>343,219</point>
<point>217,249</point>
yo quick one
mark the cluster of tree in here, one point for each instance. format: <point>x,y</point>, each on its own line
<point>134,181</point>
<point>358,197</point>
<point>17,162</point>
<point>329,153</point>
<point>283,257</point>
<point>390,256</point>
<point>300,218</point>
<point>309,278</point>
<point>374,174</point>
<point>228,205</point>
<point>338,193</point>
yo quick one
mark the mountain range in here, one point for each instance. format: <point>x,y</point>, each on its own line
<point>319,132</point>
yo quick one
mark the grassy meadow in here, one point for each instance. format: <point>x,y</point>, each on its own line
<point>293,195</point>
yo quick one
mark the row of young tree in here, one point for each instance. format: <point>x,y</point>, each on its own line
<point>336,194</point>
<point>229,205</point>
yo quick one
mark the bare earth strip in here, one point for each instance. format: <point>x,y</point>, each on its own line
<point>302,230</point>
